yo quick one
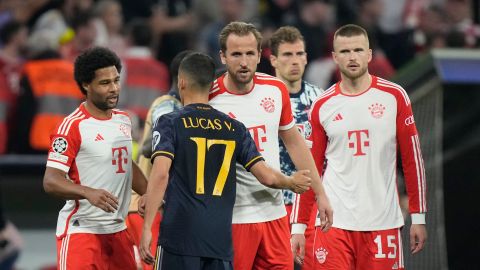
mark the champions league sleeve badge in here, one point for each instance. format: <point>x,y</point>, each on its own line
<point>60,145</point>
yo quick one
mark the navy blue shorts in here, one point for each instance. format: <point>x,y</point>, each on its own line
<point>165,260</point>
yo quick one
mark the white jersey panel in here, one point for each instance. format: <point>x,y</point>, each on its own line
<point>104,162</point>
<point>260,111</point>
<point>360,176</point>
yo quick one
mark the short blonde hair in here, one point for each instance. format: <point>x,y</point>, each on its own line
<point>239,29</point>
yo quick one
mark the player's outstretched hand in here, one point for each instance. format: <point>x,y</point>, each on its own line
<point>325,212</point>
<point>298,247</point>
<point>145,252</point>
<point>102,199</point>
<point>301,181</point>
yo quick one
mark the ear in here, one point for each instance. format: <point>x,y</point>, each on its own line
<point>273,60</point>
<point>86,86</point>
<point>222,57</point>
<point>334,57</point>
<point>259,56</point>
<point>370,55</point>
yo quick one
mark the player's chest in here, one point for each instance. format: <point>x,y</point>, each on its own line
<point>347,116</point>
<point>106,139</point>
<point>253,110</point>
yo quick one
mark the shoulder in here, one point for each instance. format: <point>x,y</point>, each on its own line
<point>394,89</point>
<point>324,97</point>
<point>71,122</point>
<point>265,79</point>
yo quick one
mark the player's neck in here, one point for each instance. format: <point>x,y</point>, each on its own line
<point>355,86</point>
<point>96,112</point>
<point>195,97</point>
<point>293,87</point>
<point>237,87</point>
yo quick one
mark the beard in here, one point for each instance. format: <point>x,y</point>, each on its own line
<point>239,77</point>
<point>104,104</point>
<point>354,75</point>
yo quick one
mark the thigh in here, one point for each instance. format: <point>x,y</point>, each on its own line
<point>79,251</point>
<point>378,250</point>
<point>215,264</point>
<point>275,251</point>
<point>246,239</point>
<point>309,239</point>
<point>333,250</point>
<point>122,256</point>
<point>134,227</point>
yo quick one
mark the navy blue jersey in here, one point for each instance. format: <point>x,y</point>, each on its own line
<point>204,145</point>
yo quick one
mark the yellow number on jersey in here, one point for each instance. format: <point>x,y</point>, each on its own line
<point>202,146</point>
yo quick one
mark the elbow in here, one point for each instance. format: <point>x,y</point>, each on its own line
<point>268,180</point>
<point>48,186</point>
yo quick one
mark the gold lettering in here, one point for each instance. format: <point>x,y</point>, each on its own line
<point>228,125</point>
<point>201,121</point>
<point>218,124</point>
<point>191,122</point>
<point>185,123</point>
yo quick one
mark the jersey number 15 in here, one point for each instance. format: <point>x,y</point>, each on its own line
<point>203,144</point>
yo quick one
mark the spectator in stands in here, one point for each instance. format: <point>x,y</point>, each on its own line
<point>145,78</point>
<point>83,25</point>
<point>13,36</point>
<point>48,94</point>
<point>109,25</point>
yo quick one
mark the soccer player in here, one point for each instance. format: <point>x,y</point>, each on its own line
<point>195,150</point>
<point>261,233</point>
<point>358,126</point>
<point>289,60</point>
<point>89,164</point>
<point>160,106</point>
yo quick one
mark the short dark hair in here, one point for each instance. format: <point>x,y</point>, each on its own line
<point>175,64</point>
<point>9,30</point>
<point>284,34</point>
<point>140,32</point>
<point>350,30</point>
<point>200,68</point>
<point>239,29</point>
<point>90,61</point>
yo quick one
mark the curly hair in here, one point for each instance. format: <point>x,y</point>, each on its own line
<point>90,61</point>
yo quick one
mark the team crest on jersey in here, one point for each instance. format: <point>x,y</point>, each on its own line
<point>126,130</point>
<point>60,145</point>
<point>377,110</point>
<point>268,104</point>
<point>321,254</point>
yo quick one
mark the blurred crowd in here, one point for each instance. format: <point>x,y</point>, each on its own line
<point>40,39</point>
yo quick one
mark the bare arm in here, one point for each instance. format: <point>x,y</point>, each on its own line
<point>270,177</point>
<point>55,183</point>
<point>139,181</point>
<point>303,160</point>
<point>157,184</point>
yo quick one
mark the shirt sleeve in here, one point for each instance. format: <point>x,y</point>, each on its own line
<point>64,146</point>
<point>163,138</point>
<point>317,138</point>
<point>248,153</point>
<point>411,156</point>
<point>286,118</point>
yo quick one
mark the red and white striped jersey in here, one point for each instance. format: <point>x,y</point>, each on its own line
<point>96,153</point>
<point>264,110</point>
<point>358,136</point>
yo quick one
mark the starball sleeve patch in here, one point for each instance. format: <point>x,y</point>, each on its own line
<point>60,145</point>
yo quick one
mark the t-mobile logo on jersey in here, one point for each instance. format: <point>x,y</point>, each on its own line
<point>119,160</point>
<point>258,134</point>
<point>358,140</point>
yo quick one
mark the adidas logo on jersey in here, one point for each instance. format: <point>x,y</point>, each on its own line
<point>99,137</point>
<point>338,117</point>
<point>395,265</point>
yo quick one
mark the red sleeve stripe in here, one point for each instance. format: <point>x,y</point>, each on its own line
<point>385,83</point>
<point>263,76</point>
<point>420,173</point>
<point>67,122</point>
<point>117,111</point>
